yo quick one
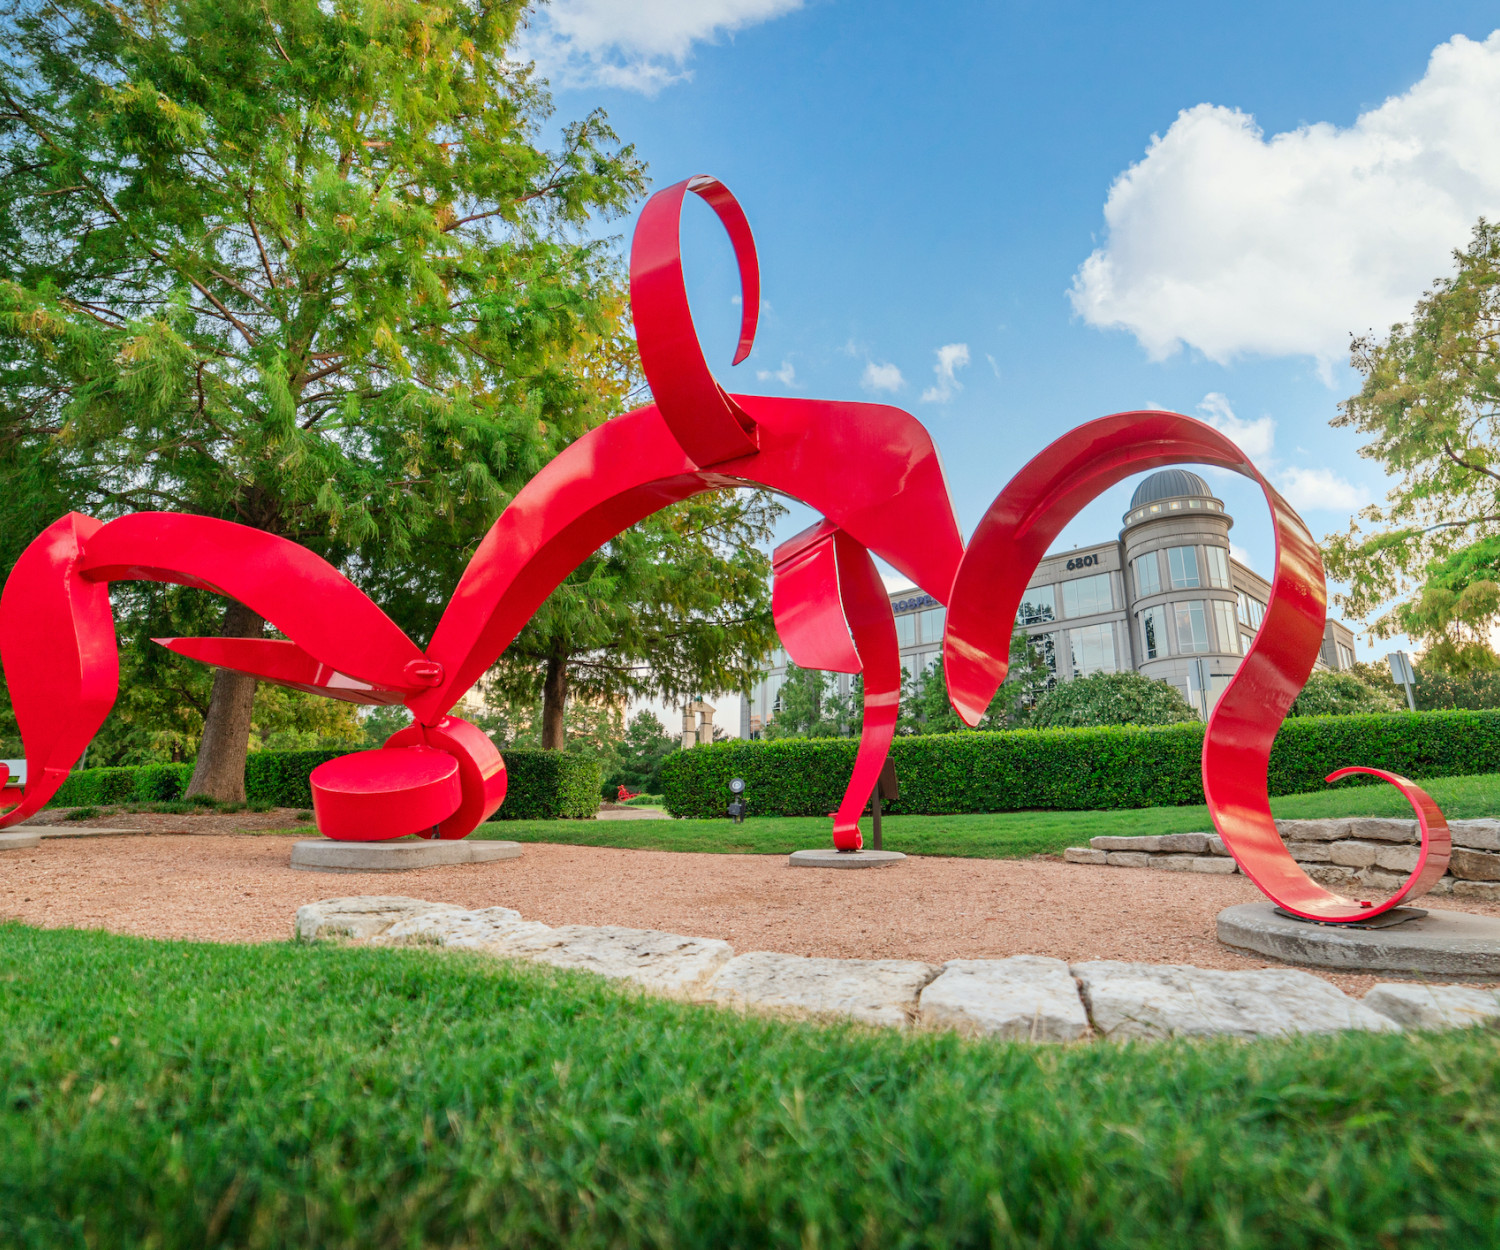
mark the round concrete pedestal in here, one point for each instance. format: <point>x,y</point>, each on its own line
<point>19,839</point>
<point>827,857</point>
<point>397,855</point>
<point>1443,943</point>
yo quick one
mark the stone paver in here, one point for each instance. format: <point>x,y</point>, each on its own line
<point>1174,1000</point>
<point>1433,1006</point>
<point>871,991</point>
<point>1027,998</point>
<point>359,918</point>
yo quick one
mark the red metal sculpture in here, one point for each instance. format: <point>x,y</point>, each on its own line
<point>870,470</point>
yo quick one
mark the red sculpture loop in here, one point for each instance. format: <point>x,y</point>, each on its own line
<point>871,470</point>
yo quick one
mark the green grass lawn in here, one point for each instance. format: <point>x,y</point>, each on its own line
<point>168,1094</point>
<point>994,835</point>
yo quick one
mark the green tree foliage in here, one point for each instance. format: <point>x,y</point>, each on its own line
<point>1430,404</point>
<point>1441,690</point>
<point>643,751</point>
<point>1358,691</point>
<point>301,264</point>
<point>809,706</point>
<point>1110,699</point>
<point>680,603</point>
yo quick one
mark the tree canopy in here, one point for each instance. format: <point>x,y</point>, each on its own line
<point>1110,699</point>
<point>1430,405</point>
<point>1362,690</point>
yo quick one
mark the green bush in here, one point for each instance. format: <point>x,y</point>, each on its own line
<point>1110,699</point>
<point>1070,769</point>
<point>543,784</point>
<point>547,785</point>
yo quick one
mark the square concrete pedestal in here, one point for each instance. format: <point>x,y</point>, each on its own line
<point>397,855</point>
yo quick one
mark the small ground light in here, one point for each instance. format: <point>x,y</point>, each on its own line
<point>737,808</point>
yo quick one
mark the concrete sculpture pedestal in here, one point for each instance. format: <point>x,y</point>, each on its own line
<point>827,857</point>
<point>396,855</point>
<point>1444,943</point>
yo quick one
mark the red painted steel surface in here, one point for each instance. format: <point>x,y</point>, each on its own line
<point>283,663</point>
<point>377,795</point>
<point>1014,535</point>
<point>870,470</point>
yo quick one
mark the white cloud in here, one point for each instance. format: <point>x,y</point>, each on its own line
<point>896,581</point>
<point>950,359</point>
<point>640,46</point>
<point>881,377</point>
<point>1312,490</point>
<point>1229,242</point>
<point>1254,438</point>
<point>1236,552</point>
<point>786,375</point>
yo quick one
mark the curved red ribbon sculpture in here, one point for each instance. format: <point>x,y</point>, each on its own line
<point>870,470</point>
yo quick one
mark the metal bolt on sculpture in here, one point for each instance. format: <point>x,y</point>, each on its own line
<point>870,470</point>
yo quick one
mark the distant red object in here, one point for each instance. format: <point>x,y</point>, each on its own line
<point>870,470</point>
<point>624,796</point>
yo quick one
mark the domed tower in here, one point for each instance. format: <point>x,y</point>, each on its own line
<point>1184,616</point>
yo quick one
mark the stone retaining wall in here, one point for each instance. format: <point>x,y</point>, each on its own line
<point>1372,852</point>
<point>1024,998</point>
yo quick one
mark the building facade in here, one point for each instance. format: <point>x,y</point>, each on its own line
<point>1165,598</point>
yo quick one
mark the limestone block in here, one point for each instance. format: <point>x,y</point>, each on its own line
<point>1441,887</point>
<point>1192,843</point>
<point>1477,835</point>
<point>1334,878</point>
<point>1173,863</point>
<point>465,930</point>
<point>1174,1000</point>
<point>1216,845</point>
<point>1027,998</point>
<point>1213,864</point>
<point>1479,891</point>
<point>1148,843</point>
<point>664,963</point>
<point>871,991</point>
<point>1373,881</point>
<point>1398,858</point>
<point>1415,1006</point>
<point>1311,852</point>
<point>360,917</point>
<point>1127,859</point>
<point>1351,854</point>
<point>1083,855</point>
<point>1469,865</point>
<point>1383,829</point>
<point>1312,830</point>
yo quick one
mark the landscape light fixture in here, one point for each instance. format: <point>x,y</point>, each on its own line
<point>737,808</point>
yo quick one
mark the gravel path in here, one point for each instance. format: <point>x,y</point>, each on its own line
<point>241,889</point>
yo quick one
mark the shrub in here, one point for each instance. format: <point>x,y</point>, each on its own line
<point>547,785</point>
<point>543,784</point>
<point>1071,769</point>
<point>1341,694</point>
<point>1111,699</point>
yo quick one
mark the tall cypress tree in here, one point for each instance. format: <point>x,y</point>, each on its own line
<point>300,264</point>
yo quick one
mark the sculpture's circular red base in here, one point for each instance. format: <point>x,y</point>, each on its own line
<point>372,796</point>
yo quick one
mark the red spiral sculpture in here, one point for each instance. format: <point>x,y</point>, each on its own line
<point>870,470</point>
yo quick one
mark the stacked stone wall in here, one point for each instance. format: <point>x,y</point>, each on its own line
<point>1373,852</point>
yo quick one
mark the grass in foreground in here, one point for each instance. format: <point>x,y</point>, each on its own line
<point>993,835</point>
<point>179,1095</point>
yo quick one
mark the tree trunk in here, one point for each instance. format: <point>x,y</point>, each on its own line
<point>554,700</point>
<point>220,770</point>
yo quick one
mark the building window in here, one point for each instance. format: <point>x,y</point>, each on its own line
<point>1147,575</point>
<point>932,624</point>
<point>1346,656</point>
<point>906,629</point>
<point>921,665</point>
<point>1225,625</point>
<point>1154,633</point>
<point>1039,605</point>
<point>773,694</point>
<point>1093,650</point>
<point>1083,596</point>
<point>1218,567</point>
<point>1192,627</point>
<point>1183,563</point>
<point>1252,611</point>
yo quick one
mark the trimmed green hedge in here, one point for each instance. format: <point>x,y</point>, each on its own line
<point>543,784</point>
<point>548,785</point>
<point>1070,769</point>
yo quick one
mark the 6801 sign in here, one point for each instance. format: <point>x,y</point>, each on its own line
<point>1082,562</point>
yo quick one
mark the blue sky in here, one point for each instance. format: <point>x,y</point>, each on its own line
<point>928,185</point>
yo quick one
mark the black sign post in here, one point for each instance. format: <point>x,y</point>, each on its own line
<point>885,787</point>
